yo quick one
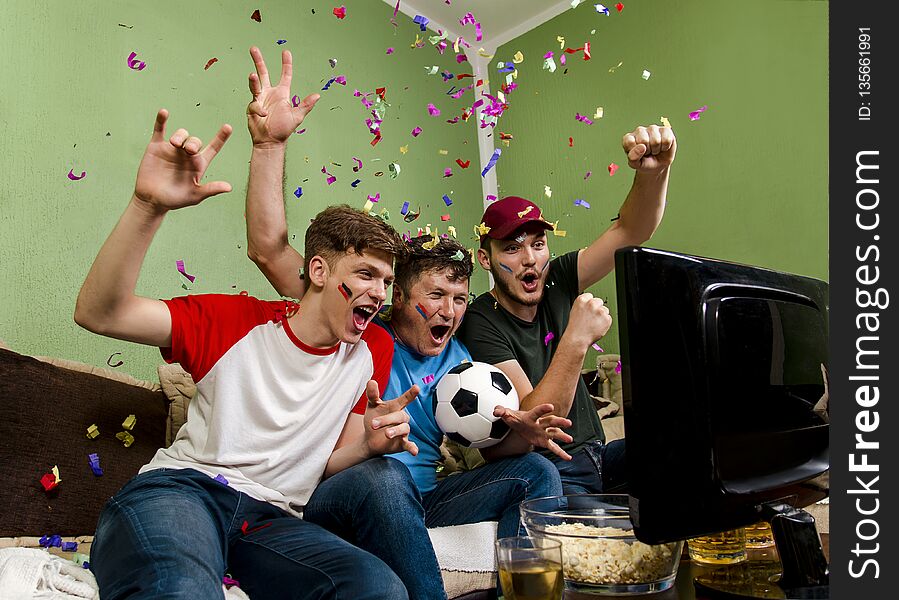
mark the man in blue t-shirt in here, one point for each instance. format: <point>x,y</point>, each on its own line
<point>429,300</point>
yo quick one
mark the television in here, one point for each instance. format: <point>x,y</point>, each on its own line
<point>724,370</point>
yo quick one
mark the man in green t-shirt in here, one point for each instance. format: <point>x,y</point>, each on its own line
<point>536,324</point>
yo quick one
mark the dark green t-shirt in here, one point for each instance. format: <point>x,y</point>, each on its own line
<point>494,335</point>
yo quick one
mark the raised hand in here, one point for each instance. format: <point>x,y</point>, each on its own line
<point>589,319</point>
<point>271,116</point>
<point>650,149</point>
<point>538,427</point>
<point>386,423</point>
<point>171,170</point>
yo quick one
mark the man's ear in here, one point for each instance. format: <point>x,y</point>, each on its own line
<point>317,271</point>
<point>484,259</point>
<point>397,294</point>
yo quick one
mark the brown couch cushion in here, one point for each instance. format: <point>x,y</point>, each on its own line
<point>44,414</point>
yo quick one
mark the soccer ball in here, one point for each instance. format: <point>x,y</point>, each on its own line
<point>464,400</point>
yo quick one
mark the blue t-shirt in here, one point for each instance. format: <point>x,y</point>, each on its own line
<point>409,368</point>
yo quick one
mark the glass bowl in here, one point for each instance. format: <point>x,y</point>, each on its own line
<point>600,554</point>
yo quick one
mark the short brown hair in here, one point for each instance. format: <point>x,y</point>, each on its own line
<point>447,254</point>
<point>340,228</point>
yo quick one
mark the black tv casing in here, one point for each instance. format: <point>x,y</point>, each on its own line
<point>722,390</point>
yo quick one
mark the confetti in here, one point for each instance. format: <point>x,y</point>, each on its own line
<point>93,432</point>
<point>582,119</point>
<point>256,16</point>
<point>525,211</point>
<point>598,113</point>
<point>405,208</point>
<point>587,176</point>
<point>618,367</point>
<point>358,166</point>
<point>463,164</point>
<point>129,422</point>
<point>433,110</point>
<point>571,142</point>
<point>447,200</point>
<point>427,379</point>
<point>390,51</point>
<point>180,265</point>
<point>356,182</point>
<point>374,198</point>
<point>74,177</point>
<point>299,192</point>
<point>646,74</point>
<point>330,179</point>
<point>394,169</point>
<point>72,546</point>
<point>340,12</point>
<point>548,63</point>
<point>422,22</point>
<point>615,68</point>
<point>94,461</point>
<point>694,116</point>
<point>583,203</point>
<point>368,206</point>
<point>496,154</point>
<point>602,9</point>
<point>332,62</point>
<point>596,347</point>
<point>443,152</point>
<point>547,191</point>
<point>118,364</point>
<point>447,172</point>
<point>279,42</point>
<point>444,217</point>
<point>411,216</point>
<point>459,255</point>
<point>451,230</point>
<point>137,65</point>
<point>585,49</point>
<point>416,131</point>
<point>481,229</point>
<point>665,122</point>
<point>491,198</point>
<point>227,581</point>
<point>209,63</point>
<point>612,168</point>
<point>518,58</point>
<point>548,338</point>
<point>404,149</point>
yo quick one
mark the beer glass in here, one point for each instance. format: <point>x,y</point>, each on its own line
<point>530,568</point>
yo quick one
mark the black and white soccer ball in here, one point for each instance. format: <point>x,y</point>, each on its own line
<point>464,400</point>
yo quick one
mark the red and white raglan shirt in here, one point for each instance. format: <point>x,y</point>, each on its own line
<point>268,409</point>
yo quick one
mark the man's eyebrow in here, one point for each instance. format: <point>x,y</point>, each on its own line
<point>366,266</point>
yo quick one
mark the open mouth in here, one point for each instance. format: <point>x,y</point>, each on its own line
<point>529,282</point>
<point>439,333</point>
<point>362,316</point>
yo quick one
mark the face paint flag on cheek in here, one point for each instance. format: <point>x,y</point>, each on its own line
<point>346,291</point>
<point>421,310</point>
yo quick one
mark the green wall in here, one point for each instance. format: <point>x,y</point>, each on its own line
<point>71,102</point>
<point>749,183</point>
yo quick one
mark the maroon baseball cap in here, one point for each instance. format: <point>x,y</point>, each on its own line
<point>505,216</point>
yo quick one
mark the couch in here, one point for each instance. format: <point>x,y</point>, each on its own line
<point>46,407</point>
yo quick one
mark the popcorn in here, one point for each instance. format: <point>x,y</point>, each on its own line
<point>597,557</point>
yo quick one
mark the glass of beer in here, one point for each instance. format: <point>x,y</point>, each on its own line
<point>530,568</point>
<point>724,548</point>
<point>759,535</point>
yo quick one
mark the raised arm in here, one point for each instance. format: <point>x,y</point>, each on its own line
<point>168,178</point>
<point>589,321</point>
<point>272,119</point>
<point>650,152</point>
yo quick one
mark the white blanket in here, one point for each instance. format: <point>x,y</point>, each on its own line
<point>465,547</point>
<point>30,573</point>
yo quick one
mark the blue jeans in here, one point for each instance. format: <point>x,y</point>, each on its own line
<point>492,493</point>
<point>173,533</point>
<point>377,507</point>
<point>598,468</point>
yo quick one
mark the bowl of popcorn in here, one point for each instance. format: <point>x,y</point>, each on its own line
<point>600,554</point>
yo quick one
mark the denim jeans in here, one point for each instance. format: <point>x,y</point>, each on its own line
<point>492,493</point>
<point>173,533</point>
<point>378,508</point>
<point>598,468</point>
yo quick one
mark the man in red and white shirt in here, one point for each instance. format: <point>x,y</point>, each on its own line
<point>286,396</point>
